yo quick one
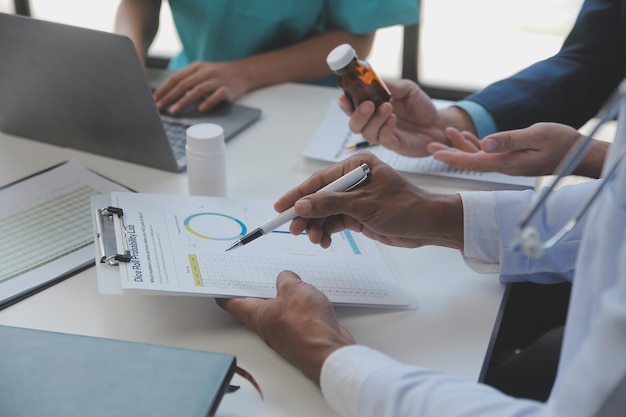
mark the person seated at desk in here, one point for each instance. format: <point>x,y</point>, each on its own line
<point>233,47</point>
<point>568,88</point>
<point>300,323</point>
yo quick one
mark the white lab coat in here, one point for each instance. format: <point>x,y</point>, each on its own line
<point>591,378</point>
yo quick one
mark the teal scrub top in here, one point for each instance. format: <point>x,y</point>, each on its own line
<point>227,30</point>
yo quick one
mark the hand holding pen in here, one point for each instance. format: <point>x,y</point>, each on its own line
<point>345,183</point>
<point>387,208</point>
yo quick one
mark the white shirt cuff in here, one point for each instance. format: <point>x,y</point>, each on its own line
<point>344,373</point>
<point>480,227</point>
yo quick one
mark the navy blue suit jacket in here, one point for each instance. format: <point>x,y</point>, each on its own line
<point>571,86</point>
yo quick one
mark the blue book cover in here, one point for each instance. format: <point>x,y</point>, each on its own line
<point>53,374</point>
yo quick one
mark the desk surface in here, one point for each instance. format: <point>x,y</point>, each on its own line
<point>450,331</point>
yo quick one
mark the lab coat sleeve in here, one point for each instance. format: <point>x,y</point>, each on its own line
<point>592,381</point>
<point>358,381</point>
<point>490,221</point>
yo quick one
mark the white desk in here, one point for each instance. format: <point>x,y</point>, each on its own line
<point>450,331</point>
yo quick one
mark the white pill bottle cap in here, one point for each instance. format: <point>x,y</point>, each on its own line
<point>205,137</point>
<point>340,56</point>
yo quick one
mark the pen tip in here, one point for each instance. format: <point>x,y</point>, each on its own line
<point>233,246</point>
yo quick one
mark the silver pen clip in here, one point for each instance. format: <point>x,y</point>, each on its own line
<point>367,171</point>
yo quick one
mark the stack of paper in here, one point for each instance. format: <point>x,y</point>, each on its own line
<point>334,135</point>
<point>45,228</point>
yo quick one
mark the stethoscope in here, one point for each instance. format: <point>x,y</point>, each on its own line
<point>527,237</point>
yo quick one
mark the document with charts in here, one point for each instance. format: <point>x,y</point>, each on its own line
<point>176,245</point>
<point>334,135</point>
<point>45,228</point>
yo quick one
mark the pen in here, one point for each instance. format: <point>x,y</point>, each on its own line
<point>358,145</point>
<point>344,183</point>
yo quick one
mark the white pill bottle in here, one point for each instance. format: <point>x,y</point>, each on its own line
<point>206,160</point>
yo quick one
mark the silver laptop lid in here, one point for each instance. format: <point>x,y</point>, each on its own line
<point>86,89</point>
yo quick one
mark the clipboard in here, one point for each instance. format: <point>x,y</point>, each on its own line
<point>106,256</point>
<point>177,247</point>
<point>105,236</point>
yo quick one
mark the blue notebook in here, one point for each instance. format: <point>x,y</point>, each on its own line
<point>55,374</point>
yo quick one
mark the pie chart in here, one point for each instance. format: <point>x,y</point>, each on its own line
<point>215,226</point>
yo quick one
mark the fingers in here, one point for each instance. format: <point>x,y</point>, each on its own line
<point>472,161</point>
<point>285,282</point>
<point>217,96</point>
<point>519,162</point>
<point>540,137</point>
<point>319,231</point>
<point>322,178</point>
<point>512,140</point>
<point>189,98</point>
<point>190,86</point>
<point>192,91</point>
<point>471,138</point>
<point>386,133</point>
<point>406,124</point>
<point>400,89</point>
<point>176,86</point>
<point>374,124</point>
<point>303,196</point>
<point>253,311</point>
<point>324,218</point>
<point>171,82</point>
<point>464,141</point>
<point>434,147</point>
<point>345,105</point>
<point>465,150</point>
<point>242,308</point>
<point>360,116</point>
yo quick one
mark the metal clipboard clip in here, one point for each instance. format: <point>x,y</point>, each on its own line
<point>105,236</point>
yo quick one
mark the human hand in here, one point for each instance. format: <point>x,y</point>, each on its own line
<point>533,151</point>
<point>203,82</point>
<point>387,208</point>
<point>299,324</point>
<point>405,125</point>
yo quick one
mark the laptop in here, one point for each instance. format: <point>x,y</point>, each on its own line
<point>86,89</point>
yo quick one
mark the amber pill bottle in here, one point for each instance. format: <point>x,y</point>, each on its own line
<point>356,77</point>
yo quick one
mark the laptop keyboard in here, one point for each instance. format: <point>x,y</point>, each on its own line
<point>177,134</point>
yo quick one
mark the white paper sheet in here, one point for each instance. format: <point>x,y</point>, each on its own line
<point>45,227</point>
<point>177,245</point>
<point>334,135</point>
